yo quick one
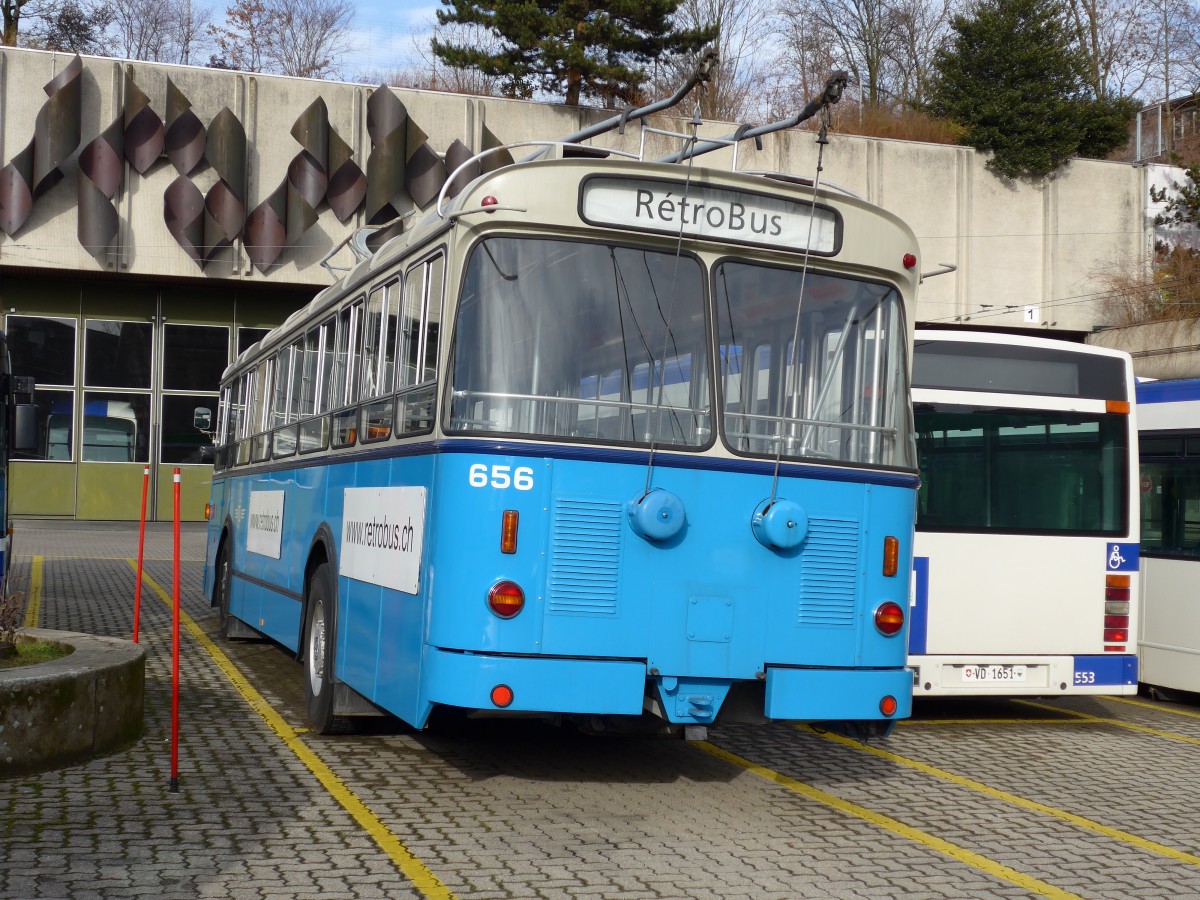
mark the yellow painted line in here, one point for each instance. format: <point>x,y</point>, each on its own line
<point>422,878</point>
<point>33,605</point>
<point>1157,707</point>
<point>961,854</point>
<point>925,723</point>
<point>1117,723</point>
<point>1016,800</point>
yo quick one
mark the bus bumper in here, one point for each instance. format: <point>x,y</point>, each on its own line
<point>538,684</point>
<point>1026,676</point>
<point>820,695</point>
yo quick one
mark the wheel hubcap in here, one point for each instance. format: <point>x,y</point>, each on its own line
<point>316,650</point>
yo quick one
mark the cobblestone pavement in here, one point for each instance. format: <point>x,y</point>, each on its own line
<point>1091,797</point>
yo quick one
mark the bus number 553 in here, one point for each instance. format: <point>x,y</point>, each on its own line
<point>501,477</point>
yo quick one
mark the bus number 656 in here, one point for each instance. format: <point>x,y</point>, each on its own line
<point>482,475</point>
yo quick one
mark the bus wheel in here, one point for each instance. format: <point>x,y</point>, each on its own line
<point>222,587</point>
<point>318,656</point>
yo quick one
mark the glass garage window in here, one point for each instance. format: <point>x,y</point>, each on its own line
<point>117,354</point>
<point>194,356</point>
<point>43,348</point>
<point>182,442</point>
<point>55,426</point>
<point>116,427</point>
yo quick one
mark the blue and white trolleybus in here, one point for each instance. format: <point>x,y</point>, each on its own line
<point>595,438</point>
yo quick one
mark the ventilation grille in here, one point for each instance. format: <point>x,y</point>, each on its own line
<point>584,557</point>
<point>829,573</point>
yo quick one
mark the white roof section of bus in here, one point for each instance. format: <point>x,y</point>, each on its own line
<point>1019,401</point>
<point>1020,340</point>
<point>542,184</point>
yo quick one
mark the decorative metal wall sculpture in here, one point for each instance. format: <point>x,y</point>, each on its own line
<point>225,203</point>
<point>183,204</point>
<point>100,169</point>
<point>293,207</point>
<point>347,183</point>
<point>37,168</point>
<point>185,132</point>
<point>404,173</point>
<point>144,138</point>
<point>386,120</point>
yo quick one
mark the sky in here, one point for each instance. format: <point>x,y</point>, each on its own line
<point>384,32</point>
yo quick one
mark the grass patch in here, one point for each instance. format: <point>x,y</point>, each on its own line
<point>32,653</point>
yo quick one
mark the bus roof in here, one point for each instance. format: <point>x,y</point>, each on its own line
<point>547,195</point>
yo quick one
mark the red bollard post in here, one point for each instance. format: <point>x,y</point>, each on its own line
<point>137,591</point>
<point>174,787</point>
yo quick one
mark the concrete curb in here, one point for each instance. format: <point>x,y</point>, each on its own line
<point>71,709</point>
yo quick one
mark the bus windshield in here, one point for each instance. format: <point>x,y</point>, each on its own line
<point>572,340</point>
<point>1022,471</point>
<point>843,397</point>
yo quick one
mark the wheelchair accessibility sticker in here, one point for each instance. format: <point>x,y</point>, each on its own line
<point>1121,558</point>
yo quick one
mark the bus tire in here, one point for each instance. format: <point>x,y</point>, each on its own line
<point>319,636</point>
<point>222,585</point>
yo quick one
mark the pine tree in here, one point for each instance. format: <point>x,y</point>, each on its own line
<point>575,49</point>
<point>1012,78</point>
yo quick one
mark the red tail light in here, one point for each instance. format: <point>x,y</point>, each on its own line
<point>1116,612</point>
<point>889,618</point>
<point>506,599</point>
<point>888,705</point>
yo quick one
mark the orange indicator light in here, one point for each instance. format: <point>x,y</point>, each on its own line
<point>1119,407</point>
<point>891,555</point>
<point>508,531</point>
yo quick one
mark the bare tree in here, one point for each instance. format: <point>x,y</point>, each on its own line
<point>432,74</point>
<point>1116,39</point>
<point>864,35</point>
<point>190,22</point>
<point>142,29</point>
<point>748,40</point>
<point>309,38</point>
<point>923,26</point>
<point>76,26</point>
<point>243,42</point>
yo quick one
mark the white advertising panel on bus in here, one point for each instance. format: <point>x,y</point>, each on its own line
<point>709,213</point>
<point>264,526</point>
<point>382,534</point>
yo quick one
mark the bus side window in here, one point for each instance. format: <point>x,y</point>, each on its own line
<point>378,364</point>
<point>263,381</point>
<point>417,347</point>
<point>318,399</point>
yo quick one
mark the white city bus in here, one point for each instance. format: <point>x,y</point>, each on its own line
<point>1026,554</point>
<point>1169,442</point>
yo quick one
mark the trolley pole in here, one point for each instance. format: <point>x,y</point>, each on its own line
<point>137,590</point>
<point>174,787</point>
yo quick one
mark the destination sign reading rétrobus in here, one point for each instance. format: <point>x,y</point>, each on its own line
<point>709,213</point>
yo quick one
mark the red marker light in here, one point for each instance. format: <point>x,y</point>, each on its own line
<point>502,695</point>
<point>888,705</point>
<point>489,200</point>
<point>910,261</point>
